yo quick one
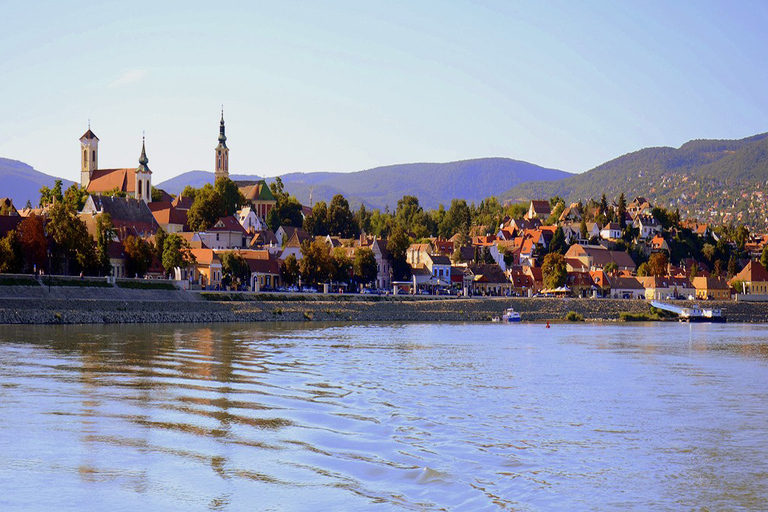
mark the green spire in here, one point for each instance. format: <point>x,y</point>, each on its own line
<point>222,137</point>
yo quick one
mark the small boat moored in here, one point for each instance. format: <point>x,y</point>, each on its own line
<point>510,315</point>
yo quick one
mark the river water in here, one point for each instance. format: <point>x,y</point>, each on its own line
<point>384,416</point>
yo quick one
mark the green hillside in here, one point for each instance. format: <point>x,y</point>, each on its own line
<point>712,180</point>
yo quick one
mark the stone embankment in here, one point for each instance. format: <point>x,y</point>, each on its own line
<point>144,306</point>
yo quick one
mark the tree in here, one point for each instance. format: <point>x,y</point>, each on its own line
<point>622,211</point>
<point>207,207</point>
<point>289,270</point>
<point>717,268</point>
<point>315,222</point>
<point>658,263</point>
<point>610,267</point>
<point>342,265</point>
<point>458,219</point>
<point>554,271</point>
<point>363,219</point>
<point>189,191</point>
<point>397,246</point>
<point>733,267</point>
<point>364,266</point>
<point>139,254</point>
<point>159,247</point>
<point>34,246</point>
<point>643,270</point>
<point>105,233</point>
<point>176,253</point>
<point>70,236</point>
<point>231,197</point>
<point>694,270</point>
<point>234,268</point>
<point>557,244</point>
<point>764,257</point>
<point>10,257</point>
<point>583,229</point>
<point>315,265</point>
<point>76,197</point>
<point>50,196</point>
<point>340,221</point>
<point>157,194</point>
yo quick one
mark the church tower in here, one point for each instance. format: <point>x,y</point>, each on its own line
<point>89,156</point>
<point>143,184</point>
<point>222,152</point>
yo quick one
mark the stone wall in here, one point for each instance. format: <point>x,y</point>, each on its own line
<point>166,309</point>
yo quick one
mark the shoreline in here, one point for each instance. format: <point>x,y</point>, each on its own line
<point>185,307</point>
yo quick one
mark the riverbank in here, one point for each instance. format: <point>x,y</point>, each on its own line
<point>143,306</point>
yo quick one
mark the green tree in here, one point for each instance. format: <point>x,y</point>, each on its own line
<point>363,219</point>
<point>159,246</point>
<point>622,211</point>
<point>176,253</point>
<point>364,266</point>
<point>611,267</point>
<point>315,265</point>
<point>764,257</point>
<point>553,270</point>
<point>189,191</point>
<point>70,237</point>
<point>694,270</point>
<point>315,222</point>
<point>207,207</point>
<point>557,244</point>
<point>76,197</point>
<point>50,196</point>
<point>234,268</point>
<point>157,194</point>
<point>733,267</point>
<point>139,254</point>
<point>10,257</point>
<point>105,233</point>
<point>289,270</point>
<point>231,197</point>
<point>340,221</point>
<point>643,270</point>
<point>397,246</point>
<point>458,219</point>
<point>342,265</point>
<point>583,228</point>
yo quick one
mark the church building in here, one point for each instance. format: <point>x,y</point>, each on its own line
<point>135,182</point>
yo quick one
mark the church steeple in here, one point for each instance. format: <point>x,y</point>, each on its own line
<point>89,162</point>
<point>143,183</point>
<point>222,152</point>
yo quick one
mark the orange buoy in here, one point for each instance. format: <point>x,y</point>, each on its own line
<point>547,325</point>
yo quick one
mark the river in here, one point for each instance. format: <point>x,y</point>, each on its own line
<point>384,416</point>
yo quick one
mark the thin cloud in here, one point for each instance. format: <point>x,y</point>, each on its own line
<point>130,76</point>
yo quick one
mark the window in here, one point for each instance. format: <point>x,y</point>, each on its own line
<point>85,156</point>
<point>139,193</point>
<point>93,157</point>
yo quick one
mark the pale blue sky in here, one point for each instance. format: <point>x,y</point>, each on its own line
<point>350,85</point>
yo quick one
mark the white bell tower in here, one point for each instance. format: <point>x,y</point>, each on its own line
<point>89,156</point>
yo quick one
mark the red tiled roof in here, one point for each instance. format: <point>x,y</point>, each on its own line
<point>104,180</point>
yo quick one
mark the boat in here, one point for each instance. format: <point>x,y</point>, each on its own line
<point>510,315</point>
<point>693,314</point>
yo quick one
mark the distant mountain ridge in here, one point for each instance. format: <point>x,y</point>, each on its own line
<point>432,183</point>
<point>712,180</point>
<point>22,183</point>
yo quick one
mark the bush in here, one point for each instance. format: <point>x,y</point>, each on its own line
<point>573,316</point>
<point>18,281</point>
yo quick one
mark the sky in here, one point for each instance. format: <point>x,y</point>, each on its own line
<point>348,85</point>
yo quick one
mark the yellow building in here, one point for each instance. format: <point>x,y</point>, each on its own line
<point>755,279</point>
<point>713,288</point>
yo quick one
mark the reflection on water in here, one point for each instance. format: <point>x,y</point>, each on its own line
<point>407,416</point>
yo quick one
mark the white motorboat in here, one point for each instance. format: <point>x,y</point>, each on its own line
<point>510,315</point>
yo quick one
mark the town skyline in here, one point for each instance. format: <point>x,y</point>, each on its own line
<point>344,88</point>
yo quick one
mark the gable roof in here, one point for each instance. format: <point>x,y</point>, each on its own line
<point>754,271</point>
<point>89,135</point>
<point>259,192</point>
<point>227,223</point>
<point>165,213</point>
<point>104,180</point>
<point>128,214</point>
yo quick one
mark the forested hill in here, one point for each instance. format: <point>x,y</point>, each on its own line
<point>712,180</point>
<point>432,183</point>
